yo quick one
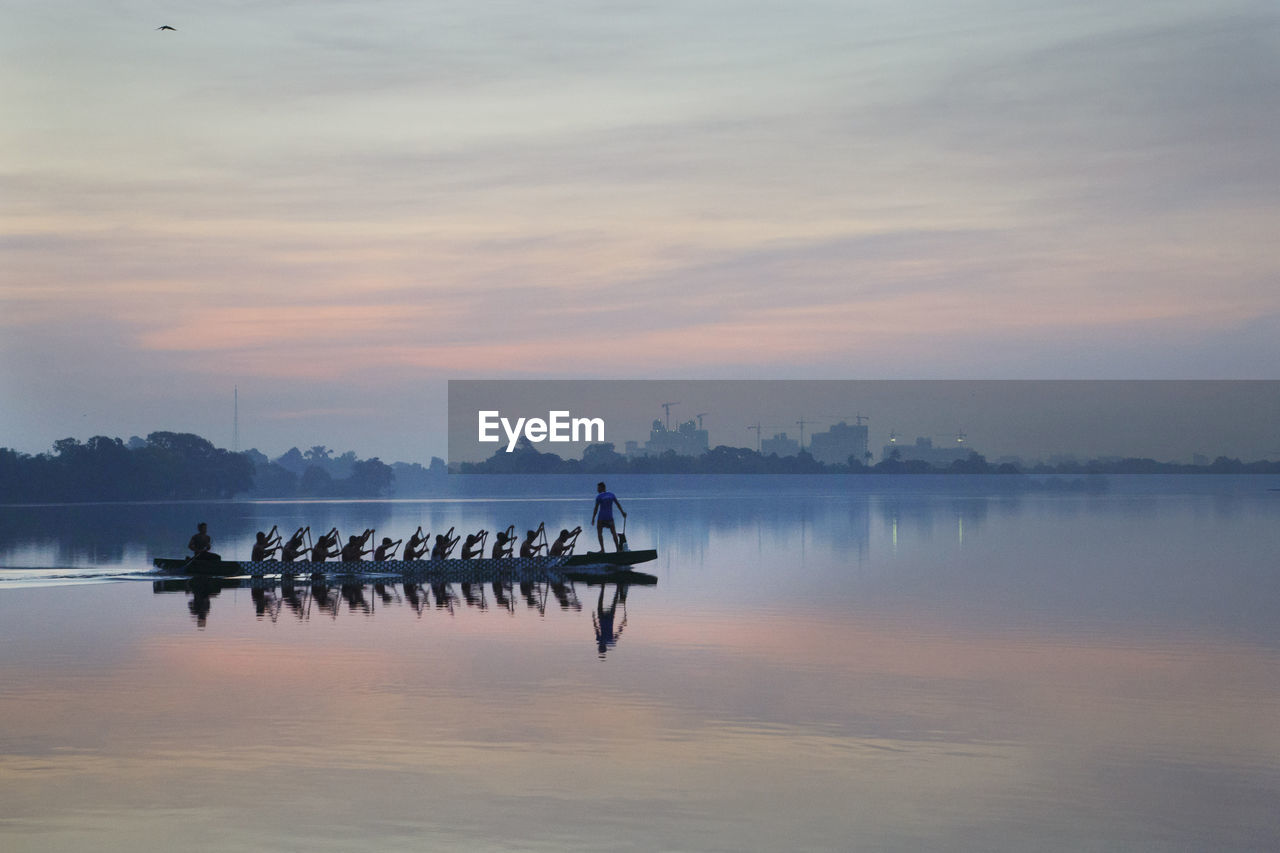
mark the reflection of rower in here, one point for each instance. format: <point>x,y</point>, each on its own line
<point>530,591</point>
<point>289,595</point>
<point>411,596</point>
<point>502,595</point>
<point>565,596</point>
<point>474,595</point>
<point>265,603</point>
<point>354,594</point>
<point>444,596</point>
<point>603,619</point>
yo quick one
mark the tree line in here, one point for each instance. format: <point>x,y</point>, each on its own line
<point>184,466</point>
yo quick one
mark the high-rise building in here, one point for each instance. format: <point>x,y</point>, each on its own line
<point>839,443</point>
<point>780,445</point>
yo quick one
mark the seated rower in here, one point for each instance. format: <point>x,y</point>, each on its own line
<point>266,545</point>
<point>474,546</point>
<point>352,552</point>
<point>387,550</point>
<point>444,546</point>
<point>564,542</point>
<point>527,547</point>
<point>296,546</point>
<point>504,542</point>
<point>326,546</point>
<point>417,546</point>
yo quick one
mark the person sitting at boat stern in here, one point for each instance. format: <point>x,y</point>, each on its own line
<point>605,502</point>
<point>200,543</point>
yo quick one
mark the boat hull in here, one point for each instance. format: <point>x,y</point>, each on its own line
<point>591,564</point>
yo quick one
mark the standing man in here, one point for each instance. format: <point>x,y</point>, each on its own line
<point>605,502</point>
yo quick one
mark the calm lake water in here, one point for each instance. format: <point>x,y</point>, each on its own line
<point>830,663</point>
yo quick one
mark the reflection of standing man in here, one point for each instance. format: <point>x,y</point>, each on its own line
<point>605,502</point>
<point>606,636</point>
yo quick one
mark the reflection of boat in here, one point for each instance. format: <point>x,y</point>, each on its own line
<point>589,565</point>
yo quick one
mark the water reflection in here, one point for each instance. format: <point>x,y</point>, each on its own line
<point>323,597</point>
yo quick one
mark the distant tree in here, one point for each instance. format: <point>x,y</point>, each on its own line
<point>293,460</point>
<point>371,478</point>
<point>318,453</point>
<point>315,483</point>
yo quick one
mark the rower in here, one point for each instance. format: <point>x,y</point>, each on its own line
<point>387,550</point>
<point>504,542</point>
<point>527,547</point>
<point>445,543</point>
<point>295,547</point>
<point>352,552</point>
<point>326,546</point>
<point>266,545</point>
<point>474,546</point>
<point>565,542</point>
<point>417,545</point>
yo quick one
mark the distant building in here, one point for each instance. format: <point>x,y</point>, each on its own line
<point>780,445</point>
<point>685,440</point>
<point>836,445</point>
<point>924,451</point>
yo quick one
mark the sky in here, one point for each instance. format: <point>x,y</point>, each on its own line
<point>336,207</point>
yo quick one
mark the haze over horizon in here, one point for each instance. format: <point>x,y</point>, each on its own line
<point>337,208</point>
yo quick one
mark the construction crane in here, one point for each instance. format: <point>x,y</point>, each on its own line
<point>666,407</point>
<point>699,416</point>
<point>801,423</point>
<point>756,427</point>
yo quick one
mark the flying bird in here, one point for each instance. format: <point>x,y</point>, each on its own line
<point>167,27</point>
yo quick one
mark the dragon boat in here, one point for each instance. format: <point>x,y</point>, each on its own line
<point>591,565</point>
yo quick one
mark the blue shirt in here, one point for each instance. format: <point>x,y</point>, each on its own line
<point>604,504</point>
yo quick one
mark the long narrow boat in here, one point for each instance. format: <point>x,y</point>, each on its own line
<point>589,564</point>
